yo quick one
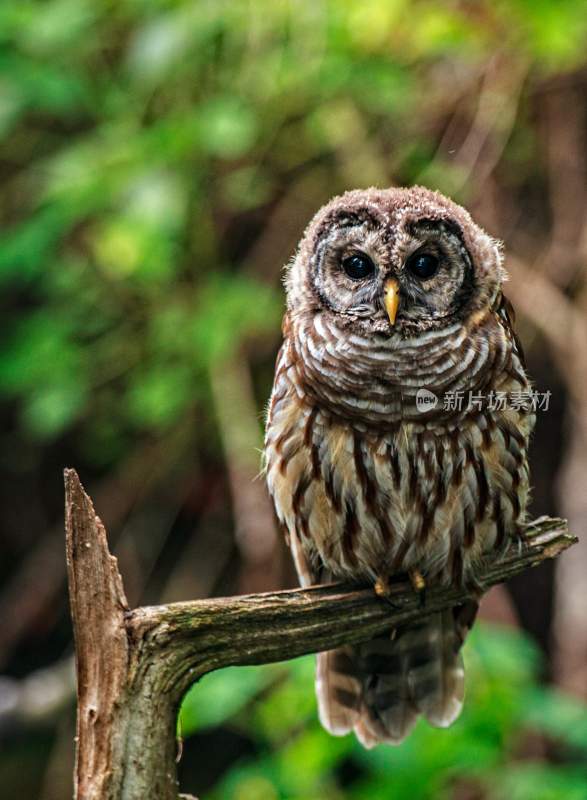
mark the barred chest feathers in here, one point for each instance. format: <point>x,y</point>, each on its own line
<point>371,487</point>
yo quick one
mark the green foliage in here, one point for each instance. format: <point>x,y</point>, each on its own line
<point>275,707</point>
<point>140,134</point>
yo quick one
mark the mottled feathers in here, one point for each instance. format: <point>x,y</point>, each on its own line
<point>365,482</point>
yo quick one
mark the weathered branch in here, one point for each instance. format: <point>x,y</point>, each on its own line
<point>134,666</point>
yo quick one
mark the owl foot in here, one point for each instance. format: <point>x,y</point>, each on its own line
<point>418,585</point>
<point>519,539</point>
<point>382,588</point>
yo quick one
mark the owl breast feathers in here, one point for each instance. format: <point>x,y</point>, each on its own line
<point>392,293</point>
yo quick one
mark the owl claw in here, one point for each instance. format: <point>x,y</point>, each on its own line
<point>382,588</point>
<point>418,585</point>
<point>518,540</point>
<point>416,579</point>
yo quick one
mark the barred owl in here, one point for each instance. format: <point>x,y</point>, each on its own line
<point>393,293</point>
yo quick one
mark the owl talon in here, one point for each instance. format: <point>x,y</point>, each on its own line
<point>422,598</point>
<point>517,542</point>
<point>382,589</point>
<point>417,580</point>
<point>418,585</point>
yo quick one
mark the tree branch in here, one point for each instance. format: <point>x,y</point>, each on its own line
<point>135,666</point>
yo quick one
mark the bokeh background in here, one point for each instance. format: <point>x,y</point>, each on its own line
<point>159,161</point>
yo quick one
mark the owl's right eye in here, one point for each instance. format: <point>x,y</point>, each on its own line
<point>358,266</point>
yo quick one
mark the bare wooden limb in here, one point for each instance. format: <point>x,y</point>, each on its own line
<point>134,666</point>
<point>98,608</point>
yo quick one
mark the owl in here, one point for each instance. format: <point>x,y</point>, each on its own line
<point>397,436</point>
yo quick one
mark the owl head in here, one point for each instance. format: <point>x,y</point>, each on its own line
<point>394,262</point>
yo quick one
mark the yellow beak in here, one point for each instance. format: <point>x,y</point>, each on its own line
<point>391,299</point>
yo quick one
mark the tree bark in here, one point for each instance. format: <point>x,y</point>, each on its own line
<point>134,666</point>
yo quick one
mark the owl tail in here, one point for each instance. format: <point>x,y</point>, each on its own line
<point>379,689</point>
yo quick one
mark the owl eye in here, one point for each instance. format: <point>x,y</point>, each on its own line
<point>423,265</point>
<point>358,266</point>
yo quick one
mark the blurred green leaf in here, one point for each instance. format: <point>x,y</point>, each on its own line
<point>225,692</point>
<point>227,127</point>
<point>57,28</point>
<point>158,396</point>
<point>558,715</point>
<point>229,310</point>
<point>539,782</point>
<point>39,352</point>
<point>51,409</point>
<point>29,247</point>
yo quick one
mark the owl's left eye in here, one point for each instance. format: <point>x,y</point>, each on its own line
<point>358,266</point>
<point>423,265</point>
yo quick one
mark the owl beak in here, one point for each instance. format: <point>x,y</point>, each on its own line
<point>391,299</point>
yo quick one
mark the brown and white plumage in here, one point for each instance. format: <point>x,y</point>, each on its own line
<point>365,483</point>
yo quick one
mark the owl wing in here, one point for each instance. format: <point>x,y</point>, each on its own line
<point>507,316</point>
<point>307,574</point>
<point>338,684</point>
